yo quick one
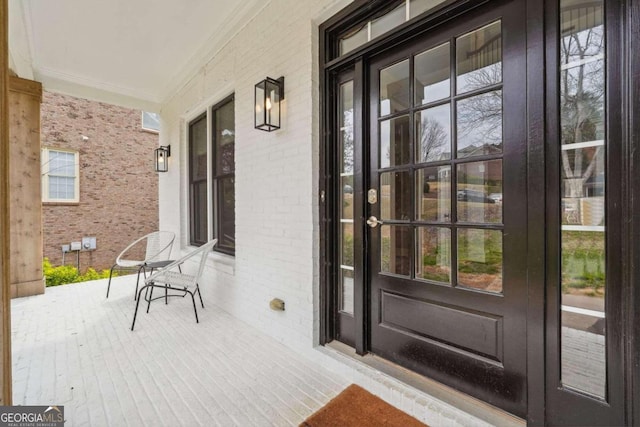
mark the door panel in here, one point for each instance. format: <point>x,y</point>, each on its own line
<point>447,158</point>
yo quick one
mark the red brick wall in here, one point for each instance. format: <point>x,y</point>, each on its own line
<point>118,186</point>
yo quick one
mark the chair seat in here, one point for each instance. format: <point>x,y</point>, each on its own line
<point>129,263</point>
<point>176,279</point>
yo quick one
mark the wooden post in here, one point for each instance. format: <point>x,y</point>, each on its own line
<point>5,314</point>
<point>25,200</point>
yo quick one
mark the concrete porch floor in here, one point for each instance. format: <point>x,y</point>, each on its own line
<point>74,347</point>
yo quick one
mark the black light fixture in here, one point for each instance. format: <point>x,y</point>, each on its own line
<point>268,94</point>
<point>162,154</point>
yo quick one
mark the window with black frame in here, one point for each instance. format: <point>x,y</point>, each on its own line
<point>198,224</point>
<point>223,174</point>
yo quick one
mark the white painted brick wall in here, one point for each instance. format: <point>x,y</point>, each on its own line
<point>276,173</point>
<point>277,222</point>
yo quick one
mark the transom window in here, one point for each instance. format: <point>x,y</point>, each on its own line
<point>60,172</point>
<point>383,22</point>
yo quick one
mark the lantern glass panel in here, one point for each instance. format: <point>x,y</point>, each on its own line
<point>272,104</point>
<point>161,160</point>
<point>260,101</point>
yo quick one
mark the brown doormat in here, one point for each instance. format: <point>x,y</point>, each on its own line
<point>356,407</point>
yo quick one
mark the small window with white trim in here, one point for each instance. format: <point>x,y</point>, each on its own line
<point>150,121</point>
<point>60,176</point>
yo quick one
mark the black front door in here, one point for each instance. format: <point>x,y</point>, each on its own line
<point>480,228</point>
<point>446,206</point>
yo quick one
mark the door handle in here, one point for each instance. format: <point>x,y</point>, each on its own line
<point>373,222</point>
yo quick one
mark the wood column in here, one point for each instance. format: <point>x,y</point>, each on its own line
<point>5,307</point>
<point>25,228</point>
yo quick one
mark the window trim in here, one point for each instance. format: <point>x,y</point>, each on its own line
<point>208,113</point>
<point>45,155</point>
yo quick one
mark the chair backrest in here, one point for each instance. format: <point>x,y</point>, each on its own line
<point>157,247</point>
<point>159,244</point>
<point>205,249</point>
<point>189,280</point>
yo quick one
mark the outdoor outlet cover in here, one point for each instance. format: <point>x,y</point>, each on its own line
<point>277,304</point>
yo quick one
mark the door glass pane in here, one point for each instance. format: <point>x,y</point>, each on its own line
<point>395,195</point>
<point>433,192</point>
<point>479,125</point>
<point>394,88</point>
<point>433,134</point>
<point>479,58</point>
<point>346,186</point>
<point>479,192</point>
<point>583,311</point>
<point>432,71</point>
<point>395,142</point>
<point>480,259</point>
<point>345,121</point>
<point>388,21</point>
<point>583,176</point>
<point>583,198</point>
<point>346,257</point>
<point>434,254</point>
<point>582,94</point>
<point>346,189</point>
<point>416,7</point>
<point>346,290</point>
<point>396,249</point>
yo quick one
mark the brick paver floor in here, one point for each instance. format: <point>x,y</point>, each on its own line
<point>73,347</point>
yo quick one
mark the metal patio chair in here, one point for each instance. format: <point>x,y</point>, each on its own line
<point>157,250</point>
<point>171,278</point>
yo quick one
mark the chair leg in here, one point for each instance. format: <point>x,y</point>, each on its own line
<point>195,310</point>
<point>110,274</point>
<point>150,296</point>
<point>135,314</point>
<point>199,294</point>
<point>138,280</point>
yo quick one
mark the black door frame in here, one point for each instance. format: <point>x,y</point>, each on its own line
<point>627,13</point>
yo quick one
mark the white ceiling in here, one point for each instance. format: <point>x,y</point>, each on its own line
<point>129,52</point>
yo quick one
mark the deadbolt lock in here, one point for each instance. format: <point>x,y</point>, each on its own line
<point>372,196</point>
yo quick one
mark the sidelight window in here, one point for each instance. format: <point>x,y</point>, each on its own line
<point>346,231</point>
<point>583,195</point>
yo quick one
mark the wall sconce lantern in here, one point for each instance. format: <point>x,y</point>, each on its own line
<point>162,153</point>
<point>268,94</point>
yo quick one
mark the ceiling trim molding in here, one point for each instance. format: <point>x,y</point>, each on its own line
<point>95,91</point>
<point>242,16</point>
